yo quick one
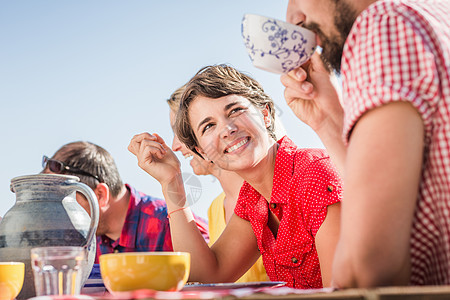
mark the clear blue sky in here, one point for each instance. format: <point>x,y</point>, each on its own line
<point>101,71</point>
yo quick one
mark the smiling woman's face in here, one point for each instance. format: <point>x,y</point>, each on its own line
<point>230,131</point>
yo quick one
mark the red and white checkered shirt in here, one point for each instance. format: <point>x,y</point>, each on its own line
<point>400,51</point>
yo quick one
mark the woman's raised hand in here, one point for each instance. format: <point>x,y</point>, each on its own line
<point>155,157</point>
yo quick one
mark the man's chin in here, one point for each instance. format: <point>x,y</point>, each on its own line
<point>326,63</point>
<point>332,59</point>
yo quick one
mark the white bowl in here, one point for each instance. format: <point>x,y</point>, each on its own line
<point>274,45</point>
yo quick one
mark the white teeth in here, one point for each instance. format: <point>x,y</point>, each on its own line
<point>187,155</point>
<point>238,145</point>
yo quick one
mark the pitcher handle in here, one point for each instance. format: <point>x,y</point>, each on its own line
<point>93,204</point>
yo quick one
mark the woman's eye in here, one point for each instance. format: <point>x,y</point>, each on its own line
<point>236,110</point>
<point>207,126</point>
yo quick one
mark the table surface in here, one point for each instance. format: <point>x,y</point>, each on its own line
<point>385,293</point>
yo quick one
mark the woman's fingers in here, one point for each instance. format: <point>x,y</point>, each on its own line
<point>153,147</point>
<point>145,143</point>
<point>160,140</point>
<point>153,157</point>
<point>143,136</point>
<point>149,152</point>
<point>133,146</point>
<point>135,142</point>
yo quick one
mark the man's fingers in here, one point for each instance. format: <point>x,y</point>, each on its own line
<point>291,94</point>
<point>289,81</point>
<point>299,73</point>
<point>304,88</point>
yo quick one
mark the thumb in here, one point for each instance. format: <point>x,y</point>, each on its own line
<point>318,64</point>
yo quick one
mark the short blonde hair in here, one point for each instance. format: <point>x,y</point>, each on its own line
<point>175,98</point>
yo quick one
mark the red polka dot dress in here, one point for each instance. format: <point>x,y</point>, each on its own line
<point>305,182</point>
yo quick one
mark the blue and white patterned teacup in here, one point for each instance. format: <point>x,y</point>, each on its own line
<point>274,45</point>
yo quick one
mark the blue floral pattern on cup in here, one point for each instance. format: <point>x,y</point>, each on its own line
<point>289,48</point>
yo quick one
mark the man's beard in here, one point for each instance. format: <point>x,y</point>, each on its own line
<point>333,46</point>
<point>332,54</point>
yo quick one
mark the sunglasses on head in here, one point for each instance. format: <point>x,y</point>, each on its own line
<point>58,167</point>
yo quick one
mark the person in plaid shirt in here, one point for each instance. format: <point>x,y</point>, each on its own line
<point>394,154</point>
<point>129,221</point>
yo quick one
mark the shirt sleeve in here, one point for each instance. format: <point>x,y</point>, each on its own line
<point>240,209</point>
<point>389,58</point>
<point>323,188</point>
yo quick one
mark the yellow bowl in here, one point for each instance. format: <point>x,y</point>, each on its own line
<point>161,271</point>
<point>11,279</point>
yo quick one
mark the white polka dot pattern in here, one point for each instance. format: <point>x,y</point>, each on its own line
<point>400,51</point>
<point>304,184</point>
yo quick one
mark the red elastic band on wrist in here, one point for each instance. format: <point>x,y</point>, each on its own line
<point>169,213</point>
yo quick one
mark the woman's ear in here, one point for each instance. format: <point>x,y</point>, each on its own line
<point>102,193</point>
<point>201,152</point>
<point>267,116</point>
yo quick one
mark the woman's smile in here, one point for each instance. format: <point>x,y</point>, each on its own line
<point>236,146</point>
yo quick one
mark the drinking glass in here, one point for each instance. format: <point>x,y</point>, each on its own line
<point>57,270</point>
